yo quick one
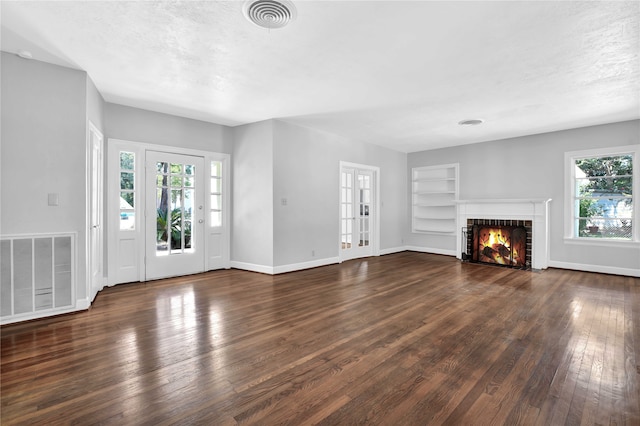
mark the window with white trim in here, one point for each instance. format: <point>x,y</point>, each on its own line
<point>600,192</point>
<point>216,194</point>
<point>127,191</point>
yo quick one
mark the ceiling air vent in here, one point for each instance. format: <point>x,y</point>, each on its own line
<point>270,14</point>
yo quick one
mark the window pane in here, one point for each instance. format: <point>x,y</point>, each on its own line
<point>189,197</point>
<point>162,167</point>
<point>126,180</point>
<point>189,181</point>
<point>176,198</point>
<point>598,187</point>
<point>605,228</point>
<point>163,222</point>
<point>127,220</point>
<point>189,169</point>
<point>216,218</point>
<point>216,203</point>
<point>216,168</point>
<point>176,168</point>
<point>216,185</point>
<point>126,200</point>
<point>176,181</point>
<point>605,166</point>
<point>603,188</point>
<point>162,180</point>
<point>127,160</point>
<point>613,208</point>
<point>127,195</point>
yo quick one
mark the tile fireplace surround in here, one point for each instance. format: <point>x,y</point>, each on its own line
<point>535,210</point>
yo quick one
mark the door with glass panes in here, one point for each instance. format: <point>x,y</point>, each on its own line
<point>356,213</point>
<point>175,215</point>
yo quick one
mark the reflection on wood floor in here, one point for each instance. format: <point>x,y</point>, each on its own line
<point>403,339</point>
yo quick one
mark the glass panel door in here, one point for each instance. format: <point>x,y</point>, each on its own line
<point>346,205</point>
<point>356,213</point>
<point>175,215</point>
<point>175,195</point>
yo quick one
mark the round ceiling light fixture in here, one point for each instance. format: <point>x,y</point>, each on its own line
<point>471,122</point>
<point>270,14</point>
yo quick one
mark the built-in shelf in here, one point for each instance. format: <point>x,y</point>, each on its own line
<point>434,195</point>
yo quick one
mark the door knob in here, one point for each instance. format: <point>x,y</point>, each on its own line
<point>200,221</point>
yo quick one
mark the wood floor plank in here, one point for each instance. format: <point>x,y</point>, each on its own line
<point>409,338</point>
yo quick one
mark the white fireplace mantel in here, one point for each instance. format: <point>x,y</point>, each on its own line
<point>535,210</point>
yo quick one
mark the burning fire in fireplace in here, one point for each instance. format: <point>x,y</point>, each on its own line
<point>500,245</point>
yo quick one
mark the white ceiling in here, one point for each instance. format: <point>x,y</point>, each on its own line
<point>399,74</point>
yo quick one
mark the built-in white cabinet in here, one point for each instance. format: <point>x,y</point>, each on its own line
<point>434,194</point>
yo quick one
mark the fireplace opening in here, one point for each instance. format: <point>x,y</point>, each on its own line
<point>499,242</point>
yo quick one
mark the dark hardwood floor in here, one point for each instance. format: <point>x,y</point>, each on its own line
<point>403,339</point>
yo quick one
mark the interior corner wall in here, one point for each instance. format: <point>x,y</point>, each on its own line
<point>306,173</point>
<point>530,167</point>
<point>139,125</point>
<point>44,151</point>
<point>252,181</point>
<point>95,106</point>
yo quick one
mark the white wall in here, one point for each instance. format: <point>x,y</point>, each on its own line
<point>531,167</point>
<point>44,151</point>
<point>306,173</point>
<point>252,180</point>
<point>275,160</point>
<point>139,125</point>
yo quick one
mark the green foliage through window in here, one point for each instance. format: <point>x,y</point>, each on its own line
<point>604,196</point>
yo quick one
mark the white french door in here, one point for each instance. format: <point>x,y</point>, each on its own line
<point>357,213</point>
<point>175,215</point>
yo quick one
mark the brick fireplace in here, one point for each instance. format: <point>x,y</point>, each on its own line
<point>509,232</point>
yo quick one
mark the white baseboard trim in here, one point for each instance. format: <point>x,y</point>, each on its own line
<point>83,304</point>
<point>595,268</point>
<point>252,267</point>
<point>432,250</point>
<point>274,270</point>
<point>305,265</point>
<point>392,250</point>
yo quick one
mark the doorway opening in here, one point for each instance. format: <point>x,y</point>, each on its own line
<point>168,211</point>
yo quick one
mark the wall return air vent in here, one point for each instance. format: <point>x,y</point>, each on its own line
<point>270,14</point>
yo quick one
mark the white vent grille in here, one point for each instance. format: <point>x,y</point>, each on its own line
<point>36,275</point>
<point>270,14</point>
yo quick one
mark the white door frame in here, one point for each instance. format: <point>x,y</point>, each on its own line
<point>95,249</point>
<point>114,146</point>
<point>375,226</point>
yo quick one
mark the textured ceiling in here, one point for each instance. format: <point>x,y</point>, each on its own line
<point>398,74</point>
